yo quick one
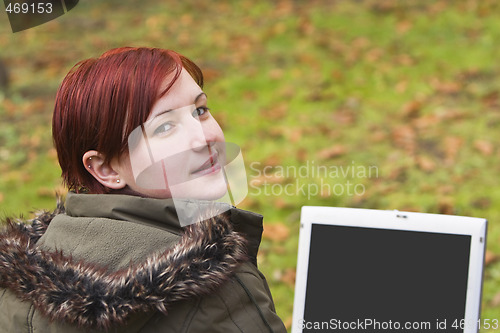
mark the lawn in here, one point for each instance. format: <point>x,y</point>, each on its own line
<point>404,93</point>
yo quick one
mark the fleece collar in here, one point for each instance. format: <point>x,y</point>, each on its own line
<point>150,211</point>
<point>159,212</point>
<point>88,296</point>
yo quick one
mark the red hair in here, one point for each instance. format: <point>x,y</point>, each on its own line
<point>102,100</point>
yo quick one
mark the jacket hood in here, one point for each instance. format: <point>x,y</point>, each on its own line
<point>86,295</point>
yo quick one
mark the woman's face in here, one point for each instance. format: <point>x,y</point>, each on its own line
<point>179,151</point>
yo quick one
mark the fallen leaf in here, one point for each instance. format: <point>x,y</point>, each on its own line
<point>308,59</point>
<point>403,26</point>
<point>275,113</point>
<point>302,154</point>
<point>404,60</point>
<point>276,232</point>
<point>452,145</point>
<point>288,322</point>
<point>491,99</point>
<point>446,87</point>
<point>399,174</point>
<point>374,55</point>
<point>490,257</point>
<point>323,129</point>
<point>273,160</point>
<point>332,152</point>
<point>10,107</point>
<point>249,203</point>
<point>450,114</point>
<point>325,193</point>
<point>306,27</point>
<point>485,147</point>
<point>276,73</point>
<point>427,188</point>
<point>446,189</point>
<point>410,208</point>
<point>344,117</point>
<point>425,163</point>
<point>495,301</point>
<point>46,192</point>
<point>401,86</point>
<point>276,132</point>
<point>26,177</point>
<point>267,178</point>
<point>383,7</point>
<point>186,19</point>
<point>210,74</point>
<point>279,250</point>
<point>249,94</point>
<point>412,109</point>
<point>288,277</point>
<point>437,7</point>
<point>295,135</point>
<point>378,136</point>
<point>426,121</point>
<point>221,118</point>
<point>52,153</point>
<point>481,203</point>
<point>386,189</point>
<point>445,206</point>
<point>405,137</point>
<point>34,106</point>
<point>280,203</point>
<point>360,43</point>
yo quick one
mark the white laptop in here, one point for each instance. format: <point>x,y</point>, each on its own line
<point>362,270</point>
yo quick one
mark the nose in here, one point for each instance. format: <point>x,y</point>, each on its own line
<point>202,134</point>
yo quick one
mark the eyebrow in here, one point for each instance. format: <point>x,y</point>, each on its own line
<point>199,96</point>
<point>195,100</point>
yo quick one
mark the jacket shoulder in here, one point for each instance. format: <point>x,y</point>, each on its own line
<point>110,243</point>
<point>86,295</point>
<point>242,304</point>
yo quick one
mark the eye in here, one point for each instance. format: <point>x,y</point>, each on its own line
<point>201,111</point>
<point>163,128</point>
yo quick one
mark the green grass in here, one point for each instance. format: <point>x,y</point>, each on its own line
<point>409,87</point>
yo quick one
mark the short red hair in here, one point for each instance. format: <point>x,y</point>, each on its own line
<point>102,100</point>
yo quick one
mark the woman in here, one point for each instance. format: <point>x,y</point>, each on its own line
<point>136,142</point>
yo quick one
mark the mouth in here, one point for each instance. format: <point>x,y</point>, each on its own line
<point>210,166</point>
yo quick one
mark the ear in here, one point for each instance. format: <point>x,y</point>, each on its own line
<point>95,164</point>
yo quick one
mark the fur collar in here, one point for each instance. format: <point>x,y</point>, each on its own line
<point>82,294</point>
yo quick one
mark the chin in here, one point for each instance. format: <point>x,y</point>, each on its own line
<point>215,194</point>
<point>153,193</point>
<point>203,188</point>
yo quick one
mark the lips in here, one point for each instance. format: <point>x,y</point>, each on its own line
<point>211,165</point>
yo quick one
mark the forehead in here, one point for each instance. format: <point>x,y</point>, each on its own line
<point>182,93</point>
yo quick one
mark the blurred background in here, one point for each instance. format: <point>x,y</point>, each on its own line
<point>371,104</point>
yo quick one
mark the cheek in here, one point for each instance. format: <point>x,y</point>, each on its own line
<point>128,170</point>
<point>171,147</point>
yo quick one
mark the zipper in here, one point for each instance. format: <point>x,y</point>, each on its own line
<point>254,301</point>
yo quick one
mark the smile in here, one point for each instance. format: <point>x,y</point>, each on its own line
<point>212,165</point>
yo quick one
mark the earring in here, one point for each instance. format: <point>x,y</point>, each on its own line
<point>117,180</point>
<point>90,166</point>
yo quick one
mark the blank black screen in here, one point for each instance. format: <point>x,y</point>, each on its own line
<point>387,276</point>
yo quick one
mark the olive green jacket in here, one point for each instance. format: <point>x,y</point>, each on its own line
<point>117,263</point>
